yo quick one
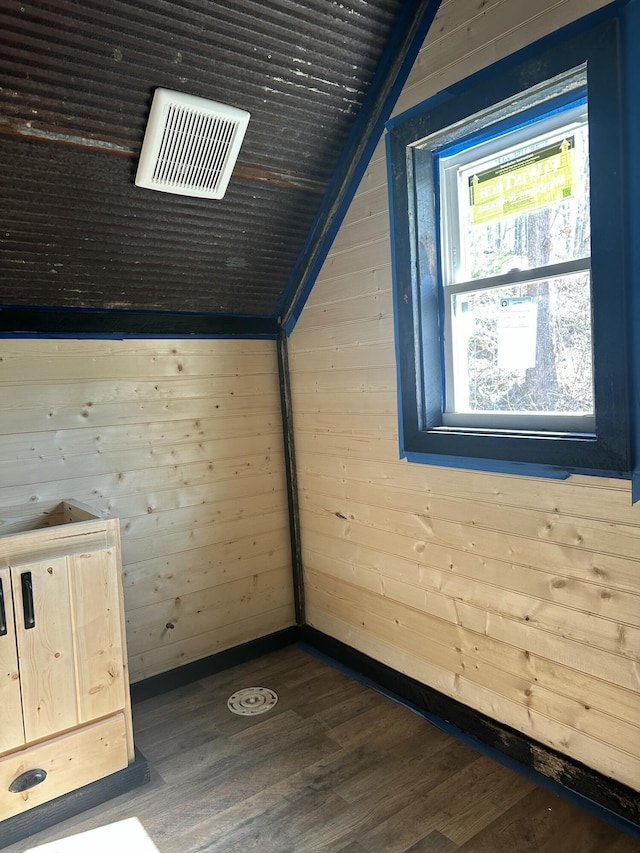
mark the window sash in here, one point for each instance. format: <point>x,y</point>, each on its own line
<point>541,422</point>
<point>557,124</point>
<point>567,117</point>
<point>521,276</point>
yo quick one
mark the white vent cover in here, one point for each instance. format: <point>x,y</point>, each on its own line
<point>190,145</point>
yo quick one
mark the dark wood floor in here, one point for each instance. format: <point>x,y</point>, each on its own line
<point>333,767</point>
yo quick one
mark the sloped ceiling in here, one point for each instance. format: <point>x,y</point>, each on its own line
<point>76,85</point>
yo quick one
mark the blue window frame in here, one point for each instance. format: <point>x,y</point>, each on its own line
<point>501,100</point>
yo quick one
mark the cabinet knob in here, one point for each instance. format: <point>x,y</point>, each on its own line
<point>27,780</point>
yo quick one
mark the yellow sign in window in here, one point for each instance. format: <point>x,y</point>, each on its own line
<point>527,183</point>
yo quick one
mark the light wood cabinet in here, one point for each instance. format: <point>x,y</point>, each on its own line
<point>65,717</point>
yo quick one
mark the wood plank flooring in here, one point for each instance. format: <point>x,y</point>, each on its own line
<point>334,767</point>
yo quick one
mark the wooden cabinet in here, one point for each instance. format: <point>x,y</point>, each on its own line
<point>65,717</point>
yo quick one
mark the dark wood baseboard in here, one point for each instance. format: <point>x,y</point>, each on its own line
<point>17,828</point>
<point>178,677</point>
<point>610,800</point>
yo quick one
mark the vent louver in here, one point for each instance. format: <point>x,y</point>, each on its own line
<point>190,145</point>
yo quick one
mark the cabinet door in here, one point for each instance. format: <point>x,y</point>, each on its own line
<point>69,642</point>
<point>95,607</point>
<point>45,647</point>
<point>11,727</point>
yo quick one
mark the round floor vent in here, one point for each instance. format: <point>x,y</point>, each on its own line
<point>251,701</point>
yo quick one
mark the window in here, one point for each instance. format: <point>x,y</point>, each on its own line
<point>508,266</point>
<point>515,274</point>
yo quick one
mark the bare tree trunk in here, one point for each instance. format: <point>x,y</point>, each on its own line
<point>541,385</point>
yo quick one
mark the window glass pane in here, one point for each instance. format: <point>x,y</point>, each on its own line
<point>524,348</point>
<point>525,206</point>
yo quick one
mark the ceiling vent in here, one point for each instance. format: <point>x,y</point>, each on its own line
<point>190,145</point>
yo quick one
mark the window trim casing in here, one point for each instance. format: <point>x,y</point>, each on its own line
<point>416,286</point>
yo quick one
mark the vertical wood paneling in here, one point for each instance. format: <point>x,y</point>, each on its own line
<point>182,441</point>
<point>520,597</point>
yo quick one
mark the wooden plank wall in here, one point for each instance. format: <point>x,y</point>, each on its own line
<point>182,440</point>
<point>519,597</point>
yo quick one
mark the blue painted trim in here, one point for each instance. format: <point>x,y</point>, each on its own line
<point>127,311</point>
<point>366,111</point>
<point>18,321</point>
<point>523,469</point>
<point>631,74</point>
<point>396,313</point>
<point>585,803</point>
<point>539,112</point>
<point>117,336</point>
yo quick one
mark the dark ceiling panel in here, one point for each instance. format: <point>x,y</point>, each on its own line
<point>96,240</point>
<point>76,232</point>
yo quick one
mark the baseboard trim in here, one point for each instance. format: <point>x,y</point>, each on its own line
<point>43,817</point>
<point>609,800</point>
<point>156,685</point>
